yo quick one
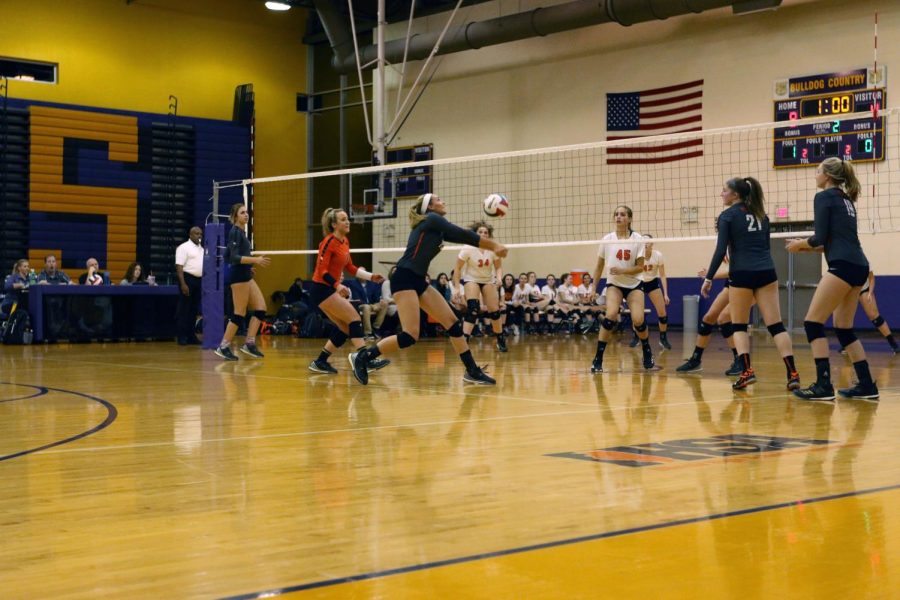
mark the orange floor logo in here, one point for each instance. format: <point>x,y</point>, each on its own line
<point>692,449</point>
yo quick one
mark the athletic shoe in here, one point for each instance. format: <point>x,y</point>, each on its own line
<point>746,378</point>
<point>649,365</point>
<point>736,368</point>
<point>664,342</point>
<point>501,345</point>
<point>376,364</point>
<point>596,366</point>
<point>691,365</point>
<point>251,350</point>
<point>478,377</point>
<point>793,382</point>
<point>861,391</point>
<point>358,363</point>
<point>817,392</point>
<point>634,342</point>
<point>321,367</point>
<point>225,353</point>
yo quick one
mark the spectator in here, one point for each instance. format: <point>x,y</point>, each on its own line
<point>94,275</point>
<point>392,321</point>
<point>189,268</point>
<point>13,285</point>
<point>363,297</point>
<point>443,286</point>
<point>51,275</point>
<point>134,275</point>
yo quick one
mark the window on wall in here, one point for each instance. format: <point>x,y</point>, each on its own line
<point>28,70</point>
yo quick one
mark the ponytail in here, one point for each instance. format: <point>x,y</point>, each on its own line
<point>841,172</point>
<point>751,193</point>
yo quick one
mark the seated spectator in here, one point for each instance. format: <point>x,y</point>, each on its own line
<point>94,275</point>
<point>13,285</point>
<point>442,284</point>
<point>134,275</point>
<point>51,275</point>
<point>296,293</point>
<point>363,297</point>
<point>391,322</point>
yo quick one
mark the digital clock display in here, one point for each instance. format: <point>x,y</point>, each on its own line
<point>828,104</point>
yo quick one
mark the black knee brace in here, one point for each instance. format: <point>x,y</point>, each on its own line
<point>878,321</point>
<point>404,340</point>
<point>844,336</point>
<point>739,327</point>
<point>663,320</point>
<point>493,316</point>
<point>472,309</point>
<point>727,329</point>
<point>608,324</point>
<point>338,338</point>
<point>237,320</point>
<point>356,329</point>
<point>776,328</point>
<point>259,314</point>
<point>814,330</point>
<point>641,328</point>
<point>455,330</point>
<point>704,328</point>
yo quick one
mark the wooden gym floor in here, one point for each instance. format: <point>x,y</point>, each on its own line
<point>157,471</point>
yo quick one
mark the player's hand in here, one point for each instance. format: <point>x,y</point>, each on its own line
<point>794,245</point>
<point>263,261</point>
<point>615,271</point>
<point>185,290</point>
<point>376,278</point>
<point>501,251</point>
<point>343,290</point>
<point>702,272</point>
<point>704,289</point>
<point>666,299</point>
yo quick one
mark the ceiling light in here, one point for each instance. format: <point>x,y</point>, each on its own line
<point>278,6</point>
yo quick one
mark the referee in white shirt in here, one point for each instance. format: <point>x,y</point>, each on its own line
<point>189,266</point>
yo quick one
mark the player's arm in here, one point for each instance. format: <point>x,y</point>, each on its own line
<point>664,282</point>
<point>598,272</point>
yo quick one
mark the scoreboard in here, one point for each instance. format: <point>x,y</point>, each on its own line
<point>859,140</point>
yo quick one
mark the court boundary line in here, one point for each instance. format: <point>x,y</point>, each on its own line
<point>553,544</point>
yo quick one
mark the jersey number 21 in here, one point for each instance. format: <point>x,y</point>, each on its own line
<point>753,223</point>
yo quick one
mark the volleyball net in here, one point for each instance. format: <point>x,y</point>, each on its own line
<point>566,195</point>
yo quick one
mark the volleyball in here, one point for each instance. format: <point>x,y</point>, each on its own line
<point>496,205</point>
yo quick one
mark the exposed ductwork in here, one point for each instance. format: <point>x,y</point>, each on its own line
<point>537,22</point>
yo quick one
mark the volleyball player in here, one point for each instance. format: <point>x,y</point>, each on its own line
<point>625,258</point>
<point>244,291</point>
<point>743,232</point>
<point>870,307</point>
<point>412,293</point>
<point>537,303</point>
<point>838,290</point>
<point>520,302</point>
<point>718,313</point>
<point>656,289</point>
<point>481,271</point>
<point>567,303</point>
<point>331,296</point>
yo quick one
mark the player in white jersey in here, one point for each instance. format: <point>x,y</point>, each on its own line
<point>481,272</point>
<point>656,289</point>
<point>537,303</point>
<point>567,301</point>
<point>624,255</point>
<point>589,304</point>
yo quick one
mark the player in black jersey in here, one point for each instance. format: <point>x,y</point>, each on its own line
<point>244,291</point>
<point>744,234</point>
<point>870,307</point>
<point>411,291</point>
<point>838,290</point>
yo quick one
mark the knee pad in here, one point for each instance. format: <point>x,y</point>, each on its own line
<point>814,330</point>
<point>878,321</point>
<point>493,316</point>
<point>739,327</point>
<point>704,328</point>
<point>472,309</point>
<point>776,328</point>
<point>608,324</point>
<point>845,336</point>
<point>641,328</point>
<point>259,314</point>
<point>404,340</point>
<point>455,330</point>
<point>338,338</point>
<point>237,320</point>
<point>663,320</point>
<point>727,329</point>
<point>356,329</point>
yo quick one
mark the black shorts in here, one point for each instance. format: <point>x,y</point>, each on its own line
<point>649,286</point>
<point>752,279</point>
<point>625,291</point>
<point>852,273</point>
<point>404,279</point>
<point>319,292</point>
<point>240,274</point>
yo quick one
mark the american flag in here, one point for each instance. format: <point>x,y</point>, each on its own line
<point>673,109</point>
